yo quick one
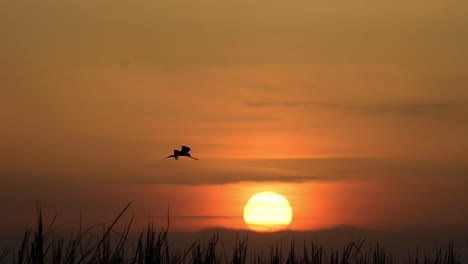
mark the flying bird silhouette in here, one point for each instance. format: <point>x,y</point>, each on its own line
<point>183,152</point>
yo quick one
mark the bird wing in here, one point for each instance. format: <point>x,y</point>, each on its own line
<point>185,149</point>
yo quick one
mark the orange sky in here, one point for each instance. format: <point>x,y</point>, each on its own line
<point>347,97</point>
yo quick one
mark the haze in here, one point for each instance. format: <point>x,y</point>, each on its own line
<point>354,110</point>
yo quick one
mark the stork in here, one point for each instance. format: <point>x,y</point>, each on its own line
<point>183,152</point>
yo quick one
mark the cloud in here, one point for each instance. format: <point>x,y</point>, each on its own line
<point>219,172</point>
<point>289,103</point>
<point>412,108</point>
<point>236,118</point>
<point>207,177</point>
<point>201,217</point>
<point>229,171</point>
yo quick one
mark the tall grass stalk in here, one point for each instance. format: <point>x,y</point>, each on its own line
<point>42,246</point>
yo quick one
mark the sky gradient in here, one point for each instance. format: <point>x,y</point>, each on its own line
<point>354,110</point>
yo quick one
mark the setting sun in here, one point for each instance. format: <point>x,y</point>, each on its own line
<point>267,212</point>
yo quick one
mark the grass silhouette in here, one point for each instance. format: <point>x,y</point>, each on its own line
<point>111,246</point>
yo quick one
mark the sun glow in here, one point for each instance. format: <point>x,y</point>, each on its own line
<point>267,212</point>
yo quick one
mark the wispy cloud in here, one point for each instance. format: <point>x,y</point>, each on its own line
<point>290,171</point>
<point>200,216</point>
<point>297,103</point>
<point>412,108</point>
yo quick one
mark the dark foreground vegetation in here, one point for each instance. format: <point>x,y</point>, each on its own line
<point>152,246</point>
